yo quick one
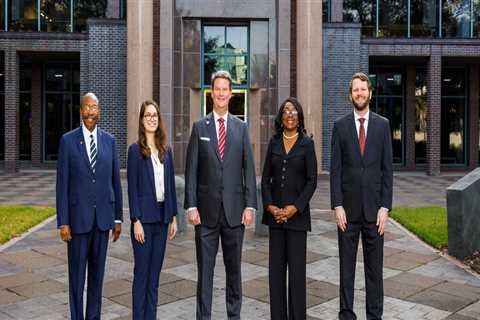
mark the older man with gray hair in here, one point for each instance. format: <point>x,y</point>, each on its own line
<point>89,198</point>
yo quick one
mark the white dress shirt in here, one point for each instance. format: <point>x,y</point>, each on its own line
<point>357,123</point>
<point>87,139</point>
<point>158,169</point>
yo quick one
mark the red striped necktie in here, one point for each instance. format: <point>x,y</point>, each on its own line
<point>361,136</point>
<point>221,137</point>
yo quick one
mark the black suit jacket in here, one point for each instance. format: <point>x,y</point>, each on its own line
<point>361,183</point>
<point>289,179</point>
<point>211,182</point>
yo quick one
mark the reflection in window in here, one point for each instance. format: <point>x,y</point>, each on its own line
<point>453,116</point>
<point>387,100</point>
<point>55,15</point>
<point>456,18</point>
<point>226,47</point>
<point>237,105</point>
<point>363,12</point>
<point>326,10</point>
<point>421,116</point>
<point>85,9</point>
<point>22,15</point>
<point>423,18</point>
<point>393,18</point>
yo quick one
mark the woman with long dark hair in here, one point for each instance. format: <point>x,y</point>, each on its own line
<point>153,207</point>
<point>289,180</point>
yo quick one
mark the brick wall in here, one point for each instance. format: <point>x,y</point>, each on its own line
<point>107,74</point>
<point>434,84</point>
<point>343,55</point>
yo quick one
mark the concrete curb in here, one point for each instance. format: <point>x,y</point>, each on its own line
<point>27,233</point>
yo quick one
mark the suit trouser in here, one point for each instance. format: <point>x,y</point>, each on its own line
<point>87,248</point>
<point>206,240</point>
<point>288,249</point>
<point>146,274</point>
<point>372,244</point>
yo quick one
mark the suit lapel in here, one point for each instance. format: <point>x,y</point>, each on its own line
<point>371,132</point>
<point>150,174</point>
<point>210,124</point>
<point>81,146</point>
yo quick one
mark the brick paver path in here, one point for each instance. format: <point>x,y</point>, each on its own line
<point>419,283</point>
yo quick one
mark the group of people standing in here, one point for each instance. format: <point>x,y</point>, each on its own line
<point>220,200</point>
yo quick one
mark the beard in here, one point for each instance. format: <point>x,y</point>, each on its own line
<point>361,106</point>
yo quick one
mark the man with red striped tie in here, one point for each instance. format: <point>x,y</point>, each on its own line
<point>220,195</point>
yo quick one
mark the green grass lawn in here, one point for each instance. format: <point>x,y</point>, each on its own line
<point>429,224</point>
<point>14,220</point>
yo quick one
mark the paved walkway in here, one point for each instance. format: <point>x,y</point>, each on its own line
<point>419,283</point>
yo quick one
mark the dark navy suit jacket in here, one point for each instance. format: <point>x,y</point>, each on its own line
<point>141,187</point>
<point>82,196</point>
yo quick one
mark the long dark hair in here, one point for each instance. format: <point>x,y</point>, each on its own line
<point>278,119</point>
<point>160,134</point>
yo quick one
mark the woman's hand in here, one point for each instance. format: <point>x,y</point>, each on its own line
<point>287,213</point>
<point>276,212</point>
<point>172,228</point>
<point>138,232</point>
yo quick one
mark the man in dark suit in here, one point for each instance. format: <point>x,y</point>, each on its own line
<point>220,195</point>
<point>89,198</point>
<point>361,194</point>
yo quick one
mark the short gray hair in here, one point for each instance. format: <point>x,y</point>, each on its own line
<point>222,74</point>
<point>89,95</point>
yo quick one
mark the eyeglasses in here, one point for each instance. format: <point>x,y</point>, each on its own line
<point>290,113</point>
<point>150,117</point>
<point>91,107</point>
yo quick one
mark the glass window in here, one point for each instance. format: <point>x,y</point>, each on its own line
<point>326,10</point>
<point>453,116</point>
<point>61,104</point>
<point>423,18</point>
<point>55,15</point>
<point>363,12</point>
<point>456,18</point>
<point>2,15</point>
<point>213,39</point>
<point>22,15</point>
<point>85,9</point>
<point>393,18</point>
<point>25,107</point>
<point>476,18</point>
<point>2,108</point>
<point>237,105</point>
<point>421,115</point>
<point>387,100</point>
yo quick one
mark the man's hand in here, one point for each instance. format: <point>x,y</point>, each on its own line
<point>173,228</point>
<point>341,218</point>
<point>247,216</point>
<point>194,217</point>
<point>382,219</point>
<point>138,232</point>
<point>65,232</point>
<point>117,229</point>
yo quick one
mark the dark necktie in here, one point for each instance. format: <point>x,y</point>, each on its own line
<point>361,136</point>
<point>221,137</point>
<point>93,153</point>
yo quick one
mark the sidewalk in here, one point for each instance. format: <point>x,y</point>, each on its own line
<point>419,283</point>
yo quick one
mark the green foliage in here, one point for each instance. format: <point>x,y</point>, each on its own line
<point>429,224</point>
<point>14,220</point>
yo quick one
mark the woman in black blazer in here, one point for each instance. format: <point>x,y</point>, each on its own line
<point>153,207</point>
<point>289,180</point>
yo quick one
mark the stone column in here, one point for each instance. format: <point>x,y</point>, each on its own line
<point>473,117</point>
<point>139,60</point>
<point>284,48</point>
<point>12,129</point>
<point>434,100</point>
<point>309,68</point>
<point>36,122</point>
<point>410,118</point>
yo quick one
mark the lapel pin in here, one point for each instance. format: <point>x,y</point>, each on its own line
<point>208,122</point>
<point>81,141</point>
